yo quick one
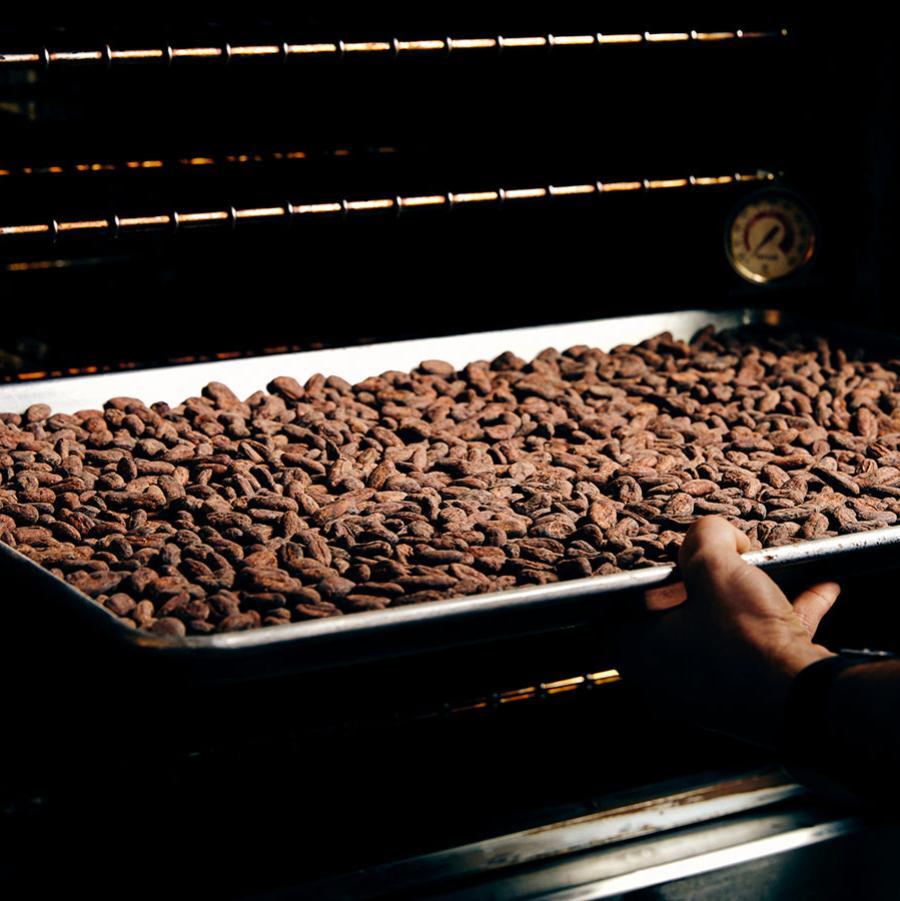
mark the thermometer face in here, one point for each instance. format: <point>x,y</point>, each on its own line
<point>770,237</point>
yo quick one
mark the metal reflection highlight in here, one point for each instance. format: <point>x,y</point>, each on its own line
<point>306,49</point>
<point>571,40</point>
<point>385,204</point>
<point>267,212</point>
<point>263,50</point>
<point>563,685</point>
<point>471,43</point>
<point>19,58</point>
<point>368,47</point>
<point>425,200</point>
<point>126,55</point>
<point>317,208</point>
<point>654,184</point>
<point>522,42</point>
<point>619,38</point>
<point>144,221</point>
<point>87,225</point>
<point>419,45</point>
<point>714,180</point>
<point>65,56</point>
<point>519,694</point>
<point>475,197</point>
<point>604,676</point>
<point>38,265</point>
<point>569,190</point>
<point>615,186</point>
<point>525,194</point>
<point>197,52</point>
<point>216,216</point>
<point>24,229</point>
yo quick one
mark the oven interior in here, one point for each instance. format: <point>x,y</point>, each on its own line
<point>261,788</point>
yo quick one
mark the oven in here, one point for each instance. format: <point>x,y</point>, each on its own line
<point>200,195</point>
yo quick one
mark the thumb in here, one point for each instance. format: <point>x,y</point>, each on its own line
<point>812,604</point>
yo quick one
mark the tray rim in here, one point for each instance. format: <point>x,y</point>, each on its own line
<point>348,625</point>
<point>482,606</point>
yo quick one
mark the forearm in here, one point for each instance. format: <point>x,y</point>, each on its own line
<point>845,730</point>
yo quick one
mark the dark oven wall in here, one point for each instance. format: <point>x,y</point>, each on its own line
<point>98,154</point>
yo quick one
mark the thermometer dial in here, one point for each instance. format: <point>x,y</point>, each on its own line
<point>770,237</point>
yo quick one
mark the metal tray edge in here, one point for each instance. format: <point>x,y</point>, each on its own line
<point>383,621</point>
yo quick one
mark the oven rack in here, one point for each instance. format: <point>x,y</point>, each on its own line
<point>193,160</point>
<point>285,51</point>
<point>227,217</point>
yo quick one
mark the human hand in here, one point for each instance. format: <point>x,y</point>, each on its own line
<point>722,647</point>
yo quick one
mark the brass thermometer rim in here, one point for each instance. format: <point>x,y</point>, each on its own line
<point>798,230</point>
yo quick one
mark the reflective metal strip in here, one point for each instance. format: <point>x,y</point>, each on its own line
<point>667,183</point>
<point>524,193</point>
<point>263,50</point>
<point>76,56</point>
<point>20,58</point>
<point>188,218</point>
<point>139,221</point>
<point>136,54</point>
<point>303,49</point>
<point>250,51</point>
<point>427,200</point>
<point>471,43</point>
<point>606,187</point>
<point>568,190</point>
<point>713,35</point>
<point>475,197</point>
<point>522,42</point>
<point>317,208</point>
<point>604,833</point>
<point>714,180</point>
<point>88,225</point>
<point>259,213</point>
<point>23,229</point>
<point>368,47</point>
<point>619,38</point>
<point>197,52</point>
<point>369,204</point>
<point>382,203</point>
<point>572,40</point>
<point>419,45</point>
<point>712,860</point>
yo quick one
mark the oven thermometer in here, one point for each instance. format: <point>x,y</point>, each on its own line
<point>770,237</point>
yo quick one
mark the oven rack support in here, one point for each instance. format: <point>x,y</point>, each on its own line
<point>175,222</point>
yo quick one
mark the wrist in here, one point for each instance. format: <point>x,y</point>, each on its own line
<point>798,658</point>
<point>805,742</point>
<point>784,665</point>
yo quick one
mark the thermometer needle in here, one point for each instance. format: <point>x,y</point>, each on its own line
<point>769,235</point>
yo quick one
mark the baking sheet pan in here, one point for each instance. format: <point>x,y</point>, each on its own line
<point>310,645</point>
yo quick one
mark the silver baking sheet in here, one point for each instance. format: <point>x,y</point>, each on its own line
<point>413,628</point>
